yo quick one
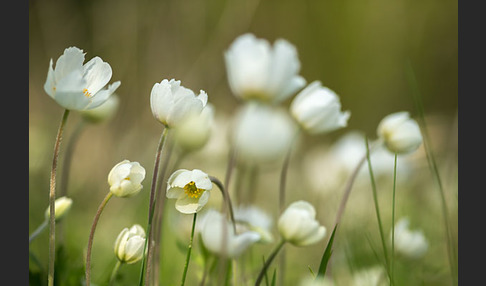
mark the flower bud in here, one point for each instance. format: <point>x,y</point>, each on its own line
<point>318,109</point>
<point>297,224</point>
<point>102,113</point>
<point>129,244</point>
<point>400,133</point>
<point>125,179</point>
<point>194,131</point>
<point>61,207</point>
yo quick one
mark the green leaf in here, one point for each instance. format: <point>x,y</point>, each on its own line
<point>327,255</point>
<point>274,277</point>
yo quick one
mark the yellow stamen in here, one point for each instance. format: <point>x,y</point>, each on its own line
<point>192,191</point>
<point>86,92</point>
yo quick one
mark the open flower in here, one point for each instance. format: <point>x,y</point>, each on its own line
<point>62,206</point>
<point>76,86</point>
<point>298,224</point>
<point>218,236</point>
<point>171,103</point>
<point>400,133</point>
<point>129,244</point>
<point>190,188</point>
<point>262,133</point>
<point>125,178</point>
<point>318,109</point>
<point>258,71</point>
<point>410,243</point>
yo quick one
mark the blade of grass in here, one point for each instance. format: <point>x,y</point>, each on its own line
<point>326,255</point>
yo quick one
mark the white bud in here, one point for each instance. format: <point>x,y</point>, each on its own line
<point>129,244</point>
<point>298,224</point>
<point>400,133</point>
<point>125,178</point>
<point>61,207</point>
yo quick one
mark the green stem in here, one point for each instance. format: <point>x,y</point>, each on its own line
<point>148,242</point>
<point>114,272</point>
<point>52,199</point>
<point>91,236</point>
<point>38,230</point>
<point>393,219</point>
<point>377,209</point>
<point>268,262</point>
<point>188,257</point>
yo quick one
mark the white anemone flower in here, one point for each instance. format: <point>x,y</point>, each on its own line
<point>190,188</point>
<point>129,244</point>
<point>318,109</point>
<point>298,224</point>
<point>251,217</point>
<point>262,133</point>
<point>171,103</point>
<point>218,235</point>
<point>194,131</point>
<point>256,70</point>
<point>76,86</point>
<point>412,244</point>
<point>400,133</point>
<point>125,178</point>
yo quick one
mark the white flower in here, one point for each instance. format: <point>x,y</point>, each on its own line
<point>318,109</point>
<point>256,70</point>
<point>254,219</point>
<point>412,244</point>
<point>194,131</point>
<point>171,103</point>
<point>298,224</point>
<point>76,86</point>
<point>218,236</point>
<point>400,133</point>
<point>129,244</point>
<point>102,112</point>
<point>190,188</point>
<point>262,133</point>
<point>125,178</point>
<point>62,206</point>
<point>372,276</point>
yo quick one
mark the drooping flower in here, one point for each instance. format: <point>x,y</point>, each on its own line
<point>410,243</point>
<point>298,224</point>
<point>262,133</point>
<point>125,178</point>
<point>62,206</point>
<point>256,70</point>
<point>102,112</point>
<point>218,236</point>
<point>129,244</point>
<point>76,86</point>
<point>318,109</point>
<point>400,133</point>
<point>171,103</point>
<point>194,131</point>
<point>190,188</point>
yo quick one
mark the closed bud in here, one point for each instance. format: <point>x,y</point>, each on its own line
<point>125,179</point>
<point>61,207</point>
<point>129,244</point>
<point>400,133</point>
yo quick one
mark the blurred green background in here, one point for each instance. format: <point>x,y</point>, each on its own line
<point>360,49</point>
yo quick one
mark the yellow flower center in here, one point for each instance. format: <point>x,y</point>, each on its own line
<point>87,93</point>
<point>192,191</point>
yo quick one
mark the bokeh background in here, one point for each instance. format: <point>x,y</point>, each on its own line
<point>360,49</point>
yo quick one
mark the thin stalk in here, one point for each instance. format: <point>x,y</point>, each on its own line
<point>377,209</point>
<point>269,261</point>
<point>114,272</point>
<point>393,219</point>
<point>148,241</point>
<point>39,229</point>
<point>188,256</point>
<point>227,206</point>
<point>52,199</point>
<point>91,236</point>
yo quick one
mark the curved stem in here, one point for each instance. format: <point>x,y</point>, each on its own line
<point>269,261</point>
<point>52,199</point>
<point>227,199</point>
<point>148,241</point>
<point>39,229</point>
<point>91,236</point>
<point>114,272</point>
<point>188,256</point>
